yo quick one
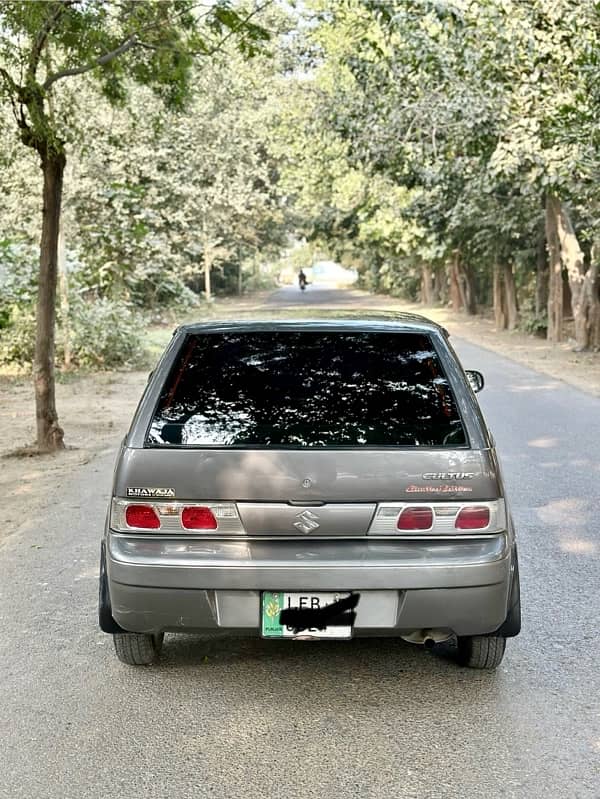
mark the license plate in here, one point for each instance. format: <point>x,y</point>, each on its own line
<point>273,602</point>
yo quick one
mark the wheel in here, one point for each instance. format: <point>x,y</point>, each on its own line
<point>481,651</point>
<point>137,649</point>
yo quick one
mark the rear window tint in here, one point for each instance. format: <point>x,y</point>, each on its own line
<point>306,389</point>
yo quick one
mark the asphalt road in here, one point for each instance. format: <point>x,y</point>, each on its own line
<point>229,718</point>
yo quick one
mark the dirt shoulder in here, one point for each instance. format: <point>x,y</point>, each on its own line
<point>96,409</point>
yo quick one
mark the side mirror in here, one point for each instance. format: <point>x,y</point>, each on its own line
<point>475,379</point>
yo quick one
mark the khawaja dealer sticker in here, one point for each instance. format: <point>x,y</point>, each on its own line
<point>147,493</point>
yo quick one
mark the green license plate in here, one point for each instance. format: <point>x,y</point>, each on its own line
<point>273,602</point>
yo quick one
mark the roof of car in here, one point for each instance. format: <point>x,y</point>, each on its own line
<point>337,320</point>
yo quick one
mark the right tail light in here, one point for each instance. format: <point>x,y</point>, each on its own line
<point>439,518</point>
<point>475,517</point>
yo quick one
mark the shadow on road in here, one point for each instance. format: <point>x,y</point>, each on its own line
<point>376,655</point>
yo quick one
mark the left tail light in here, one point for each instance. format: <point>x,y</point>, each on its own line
<point>142,517</point>
<point>173,518</point>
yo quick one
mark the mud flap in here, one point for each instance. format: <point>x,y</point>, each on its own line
<point>105,619</point>
<point>512,624</point>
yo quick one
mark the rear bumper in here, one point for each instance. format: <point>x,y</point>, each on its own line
<point>159,584</point>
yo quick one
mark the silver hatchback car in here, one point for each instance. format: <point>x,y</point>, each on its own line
<point>310,479</point>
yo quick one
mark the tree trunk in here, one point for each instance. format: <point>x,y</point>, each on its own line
<point>440,287</point>
<point>374,272</point>
<point>464,279</point>
<point>426,284</point>
<point>541,276</point>
<point>499,299</point>
<point>49,433</point>
<point>468,281</point>
<point>207,270</point>
<point>593,288</point>
<point>510,296</point>
<point>580,280</point>
<point>63,289</point>
<point>555,284</point>
<point>207,259</point>
<point>455,292</point>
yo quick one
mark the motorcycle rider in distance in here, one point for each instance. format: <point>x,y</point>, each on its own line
<point>302,280</point>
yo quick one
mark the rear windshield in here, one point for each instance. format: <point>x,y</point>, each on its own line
<point>307,389</point>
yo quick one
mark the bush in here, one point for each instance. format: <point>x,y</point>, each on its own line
<point>104,334</point>
<point>535,324</point>
<point>259,281</point>
<point>18,279</point>
<point>17,334</point>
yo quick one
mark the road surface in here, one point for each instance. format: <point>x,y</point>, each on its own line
<point>229,718</point>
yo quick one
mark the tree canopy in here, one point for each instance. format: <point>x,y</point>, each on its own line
<point>45,46</point>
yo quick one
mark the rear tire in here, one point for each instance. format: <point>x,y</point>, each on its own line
<point>138,649</point>
<point>481,651</point>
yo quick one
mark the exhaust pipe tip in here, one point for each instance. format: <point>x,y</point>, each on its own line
<point>428,638</point>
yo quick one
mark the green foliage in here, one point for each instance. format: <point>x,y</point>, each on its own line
<point>18,271</point>
<point>54,58</point>
<point>536,325</point>
<point>17,338</point>
<point>144,206</point>
<point>428,129</point>
<point>103,334</point>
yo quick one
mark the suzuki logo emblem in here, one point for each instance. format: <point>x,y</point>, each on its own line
<point>307,521</point>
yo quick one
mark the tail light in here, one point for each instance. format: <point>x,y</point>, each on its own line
<point>175,518</point>
<point>415,518</point>
<point>198,518</point>
<point>143,517</point>
<point>439,518</point>
<point>476,517</point>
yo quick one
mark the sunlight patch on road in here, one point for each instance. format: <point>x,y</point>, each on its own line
<point>519,389</point>
<point>578,546</point>
<point>566,513</point>
<point>24,488</point>
<point>89,573</point>
<point>543,443</point>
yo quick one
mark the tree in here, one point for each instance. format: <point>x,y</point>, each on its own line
<point>44,46</point>
<point>485,115</point>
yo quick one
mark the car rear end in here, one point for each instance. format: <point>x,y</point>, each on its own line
<point>294,466</point>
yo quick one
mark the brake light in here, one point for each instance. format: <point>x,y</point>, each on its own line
<point>198,518</point>
<point>415,519</point>
<point>473,518</point>
<point>142,516</point>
